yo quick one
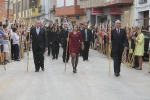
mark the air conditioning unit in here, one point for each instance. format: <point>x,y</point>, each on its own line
<point>142,1</point>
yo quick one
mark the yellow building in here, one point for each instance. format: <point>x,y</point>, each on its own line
<point>26,10</point>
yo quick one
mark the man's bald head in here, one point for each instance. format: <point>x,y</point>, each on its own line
<point>38,23</point>
<point>118,23</point>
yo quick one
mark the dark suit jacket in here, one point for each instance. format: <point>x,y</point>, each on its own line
<point>55,36</point>
<point>38,41</point>
<point>118,41</point>
<point>89,35</point>
<point>132,41</point>
<point>49,33</point>
<point>64,35</point>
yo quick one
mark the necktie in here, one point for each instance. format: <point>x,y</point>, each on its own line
<point>118,32</point>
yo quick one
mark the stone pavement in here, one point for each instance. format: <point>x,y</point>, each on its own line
<point>92,81</point>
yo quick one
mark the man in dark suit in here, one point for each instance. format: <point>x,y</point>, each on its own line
<point>80,29</point>
<point>87,39</point>
<point>119,41</point>
<point>49,33</point>
<point>136,64</point>
<point>39,45</point>
<point>64,36</point>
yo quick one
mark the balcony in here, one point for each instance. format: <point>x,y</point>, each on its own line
<point>34,13</point>
<point>91,3</point>
<point>114,3</point>
<point>69,11</point>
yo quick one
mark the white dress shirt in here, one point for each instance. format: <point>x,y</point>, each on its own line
<point>37,30</point>
<point>86,35</point>
<point>15,38</point>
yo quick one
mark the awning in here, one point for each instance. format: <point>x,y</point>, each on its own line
<point>120,3</point>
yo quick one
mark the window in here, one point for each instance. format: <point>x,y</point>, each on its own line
<point>69,2</point>
<point>19,6</point>
<point>142,1</point>
<point>60,3</point>
<point>14,8</point>
<point>78,2</point>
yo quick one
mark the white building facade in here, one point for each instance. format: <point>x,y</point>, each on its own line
<point>46,11</point>
<point>142,13</point>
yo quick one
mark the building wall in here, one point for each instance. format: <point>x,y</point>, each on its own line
<point>127,16</point>
<point>69,8</point>
<point>139,12</point>
<point>3,11</point>
<point>91,3</point>
<point>78,21</point>
<point>52,17</point>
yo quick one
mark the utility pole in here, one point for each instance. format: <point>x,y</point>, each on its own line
<point>8,9</point>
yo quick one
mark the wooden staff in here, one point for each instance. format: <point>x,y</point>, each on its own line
<point>2,60</point>
<point>149,64</point>
<point>130,63</point>
<point>28,46</point>
<point>66,51</point>
<point>10,46</point>
<point>109,49</point>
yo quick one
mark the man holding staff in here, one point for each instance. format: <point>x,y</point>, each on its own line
<point>64,36</point>
<point>39,45</point>
<point>119,41</point>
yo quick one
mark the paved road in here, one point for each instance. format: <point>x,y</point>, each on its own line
<point>90,83</point>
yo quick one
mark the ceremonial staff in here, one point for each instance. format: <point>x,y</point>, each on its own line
<point>67,51</point>
<point>127,30</point>
<point>10,45</point>
<point>149,64</point>
<point>28,46</point>
<point>130,56</point>
<point>109,48</point>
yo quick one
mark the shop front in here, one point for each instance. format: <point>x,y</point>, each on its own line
<point>115,14</point>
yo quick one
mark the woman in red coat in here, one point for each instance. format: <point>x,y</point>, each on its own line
<point>75,38</point>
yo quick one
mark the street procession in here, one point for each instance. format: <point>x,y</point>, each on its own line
<point>67,43</point>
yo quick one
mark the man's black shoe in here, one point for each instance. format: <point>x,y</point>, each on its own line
<point>117,74</point>
<point>43,69</point>
<point>17,60</point>
<point>53,58</point>
<point>36,70</point>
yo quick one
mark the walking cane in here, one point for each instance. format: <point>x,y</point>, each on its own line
<point>2,60</point>
<point>66,52</point>
<point>28,46</point>
<point>149,64</point>
<point>109,49</point>
<point>10,46</point>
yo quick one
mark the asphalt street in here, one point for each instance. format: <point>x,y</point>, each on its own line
<point>92,82</point>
